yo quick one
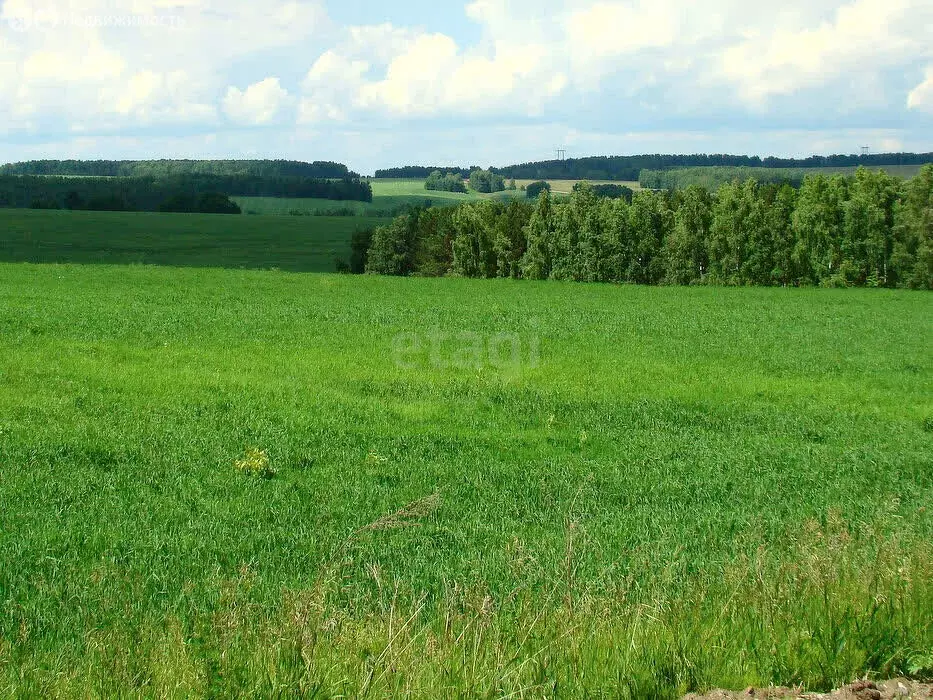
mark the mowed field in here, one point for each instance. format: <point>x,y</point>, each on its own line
<point>195,240</point>
<point>480,488</point>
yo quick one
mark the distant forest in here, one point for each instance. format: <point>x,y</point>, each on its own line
<point>151,193</point>
<point>870,229</point>
<point>419,172</point>
<point>628,168</point>
<point>164,168</point>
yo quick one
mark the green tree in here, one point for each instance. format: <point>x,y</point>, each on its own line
<point>538,261</point>
<point>912,257</point>
<point>445,182</point>
<point>510,238</point>
<point>735,216</point>
<point>818,229</point>
<point>474,253</point>
<point>616,223</point>
<point>685,248</point>
<point>565,247</point>
<point>433,255</point>
<point>868,239</point>
<point>393,247</point>
<point>586,215</point>
<point>780,223</point>
<point>651,222</point>
<point>486,181</point>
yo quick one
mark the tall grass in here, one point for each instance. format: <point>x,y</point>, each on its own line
<point>835,602</point>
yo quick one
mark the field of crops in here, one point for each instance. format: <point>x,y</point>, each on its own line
<point>226,482</point>
<point>196,240</point>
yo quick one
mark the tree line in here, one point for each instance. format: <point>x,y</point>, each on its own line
<point>149,193</point>
<point>630,167</point>
<point>165,168</point>
<point>866,230</point>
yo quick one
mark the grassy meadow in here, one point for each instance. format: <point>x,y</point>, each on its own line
<point>189,240</point>
<point>463,488</point>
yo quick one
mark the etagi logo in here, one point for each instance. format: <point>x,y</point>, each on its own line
<point>26,20</point>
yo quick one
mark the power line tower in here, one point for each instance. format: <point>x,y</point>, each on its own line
<point>866,150</point>
<point>561,154</point>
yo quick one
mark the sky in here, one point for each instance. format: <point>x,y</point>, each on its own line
<point>488,82</point>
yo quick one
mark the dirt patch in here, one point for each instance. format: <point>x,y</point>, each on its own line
<point>898,689</point>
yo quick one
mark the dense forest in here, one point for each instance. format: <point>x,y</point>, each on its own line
<point>866,230</point>
<point>150,193</point>
<point>165,168</point>
<point>629,167</point>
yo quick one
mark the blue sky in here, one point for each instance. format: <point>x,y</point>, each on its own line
<point>487,82</point>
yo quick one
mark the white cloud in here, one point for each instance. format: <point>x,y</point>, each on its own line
<point>921,97</point>
<point>97,64</point>
<point>107,67</point>
<point>260,103</point>
<point>414,80</point>
<point>402,73</point>
<point>615,28</point>
<point>863,37</point>
<point>151,98</point>
<point>667,57</point>
<point>329,87</point>
<point>331,68</point>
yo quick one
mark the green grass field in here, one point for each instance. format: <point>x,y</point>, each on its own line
<point>666,489</point>
<point>195,240</point>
